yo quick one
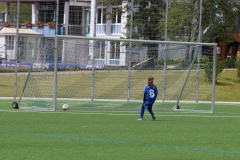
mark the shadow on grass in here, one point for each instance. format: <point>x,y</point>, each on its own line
<point>159,120</point>
<point>223,84</point>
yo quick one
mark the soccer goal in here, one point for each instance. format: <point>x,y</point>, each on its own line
<point>102,73</point>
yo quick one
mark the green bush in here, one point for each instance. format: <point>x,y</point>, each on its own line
<point>203,59</point>
<point>237,65</point>
<point>230,63</point>
<point>220,65</point>
<point>183,63</point>
<point>159,62</point>
<point>12,70</point>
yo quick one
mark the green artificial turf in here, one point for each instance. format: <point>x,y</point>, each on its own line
<point>116,134</point>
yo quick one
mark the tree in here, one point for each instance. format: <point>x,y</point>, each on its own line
<point>221,18</point>
<point>183,21</point>
<point>25,11</point>
<point>146,18</point>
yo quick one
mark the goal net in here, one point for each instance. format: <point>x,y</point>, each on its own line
<point>111,74</point>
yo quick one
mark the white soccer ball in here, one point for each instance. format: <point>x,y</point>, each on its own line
<point>65,107</point>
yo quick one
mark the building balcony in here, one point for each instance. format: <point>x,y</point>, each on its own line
<point>49,31</point>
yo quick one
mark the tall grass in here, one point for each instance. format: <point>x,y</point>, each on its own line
<point>227,86</point>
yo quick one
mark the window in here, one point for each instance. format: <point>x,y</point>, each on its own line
<point>21,42</point>
<point>47,13</point>
<point>218,50</point>
<point>100,50</point>
<point>100,4</point>
<point>115,50</point>
<point>10,42</point>
<point>21,45</point>
<point>116,18</point>
<point>101,16</point>
<point>46,16</point>
<point>75,15</point>
<point>101,13</point>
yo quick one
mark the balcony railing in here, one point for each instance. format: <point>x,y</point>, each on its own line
<point>75,30</point>
<point>99,61</point>
<point>49,31</point>
<point>114,62</point>
<point>101,29</point>
<point>115,28</point>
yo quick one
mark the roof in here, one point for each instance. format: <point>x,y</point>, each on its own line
<point>11,31</point>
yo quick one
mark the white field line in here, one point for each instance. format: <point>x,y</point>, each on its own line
<point>118,100</point>
<point>159,115</point>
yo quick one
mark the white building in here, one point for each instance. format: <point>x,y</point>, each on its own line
<point>27,48</point>
<point>76,17</point>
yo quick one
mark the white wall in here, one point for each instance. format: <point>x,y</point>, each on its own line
<point>92,33</point>
<point>66,15</point>
<point>34,12</point>
<point>2,48</point>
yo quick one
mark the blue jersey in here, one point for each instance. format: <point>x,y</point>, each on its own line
<point>151,94</point>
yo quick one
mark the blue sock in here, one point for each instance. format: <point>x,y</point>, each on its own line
<point>142,112</point>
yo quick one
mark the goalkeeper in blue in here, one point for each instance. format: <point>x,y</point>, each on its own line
<point>150,95</point>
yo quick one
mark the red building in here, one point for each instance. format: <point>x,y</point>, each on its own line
<point>227,51</point>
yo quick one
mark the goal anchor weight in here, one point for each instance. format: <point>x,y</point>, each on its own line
<point>176,107</point>
<point>15,105</point>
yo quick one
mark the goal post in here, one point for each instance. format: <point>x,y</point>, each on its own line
<point>106,73</point>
